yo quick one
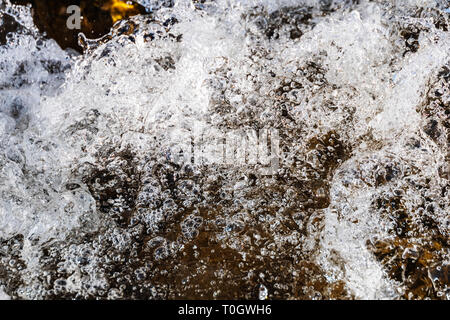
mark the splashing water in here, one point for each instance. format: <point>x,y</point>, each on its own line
<point>95,202</point>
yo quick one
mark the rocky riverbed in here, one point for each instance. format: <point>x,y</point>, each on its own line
<point>289,149</point>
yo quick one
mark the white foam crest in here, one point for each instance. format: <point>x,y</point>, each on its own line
<point>148,94</point>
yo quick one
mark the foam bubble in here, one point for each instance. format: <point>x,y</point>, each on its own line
<point>93,194</point>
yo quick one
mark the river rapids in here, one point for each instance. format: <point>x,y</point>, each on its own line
<point>118,181</point>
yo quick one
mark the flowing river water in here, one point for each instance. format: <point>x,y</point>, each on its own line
<point>289,149</point>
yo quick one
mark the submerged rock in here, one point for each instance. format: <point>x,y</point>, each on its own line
<point>260,152</point>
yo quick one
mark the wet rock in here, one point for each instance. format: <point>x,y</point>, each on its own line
<point>98,17</point>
